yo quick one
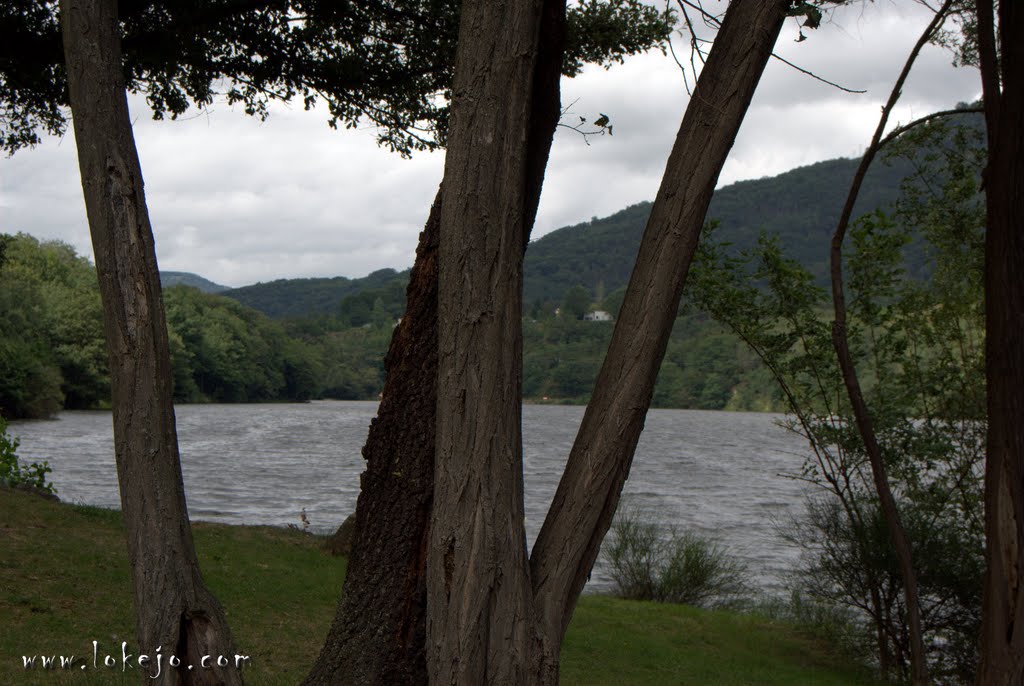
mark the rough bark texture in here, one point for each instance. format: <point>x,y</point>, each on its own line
<point>1002,634</point>
<point>174,609</point>
<point>378,635</point>
<point>862,415</point>
<point>599,463</point>
<point>379,632</point>
<point>480,627</point>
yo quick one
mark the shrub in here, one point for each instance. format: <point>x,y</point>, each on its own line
<point>649,562</point>
<point>13,473</point>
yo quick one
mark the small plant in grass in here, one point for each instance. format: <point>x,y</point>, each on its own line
<point>14,473</point>
<point>650,562</point>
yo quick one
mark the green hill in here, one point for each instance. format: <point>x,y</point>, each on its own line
<point>801,206</point>
<point>288,298</point>
<point>169,279</point>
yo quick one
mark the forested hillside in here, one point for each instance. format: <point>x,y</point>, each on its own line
<point>801,206</point>
<point>300,297</point>
<point>53,356</point>
<point>297,339</point>
<point>168,279</point>
<point>51,330</point>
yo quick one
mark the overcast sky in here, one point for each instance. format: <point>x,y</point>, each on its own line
<point>240,201</point>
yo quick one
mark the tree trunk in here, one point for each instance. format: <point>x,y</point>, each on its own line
<point>1002,632</point>
<point>174,610</point>
<point>378,634</point>
<point>599,463</point>
<point>480,627</point>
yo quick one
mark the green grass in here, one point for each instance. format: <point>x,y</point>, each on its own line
<point>64,582</point>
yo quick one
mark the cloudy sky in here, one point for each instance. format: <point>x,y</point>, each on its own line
<point>240,201</point>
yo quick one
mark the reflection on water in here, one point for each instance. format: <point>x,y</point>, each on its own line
<point>718,473</point>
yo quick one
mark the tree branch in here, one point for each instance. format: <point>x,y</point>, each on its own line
<point>713,20</point>
<point>904,128</point>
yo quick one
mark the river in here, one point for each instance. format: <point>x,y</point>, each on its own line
<point>716,473</point>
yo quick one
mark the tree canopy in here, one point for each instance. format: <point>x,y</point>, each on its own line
<point>383,62</point>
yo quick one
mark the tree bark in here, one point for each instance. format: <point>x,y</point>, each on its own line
<point>174,609</point>
<point>379,631</point>
<point>1002,631</point>
<point>602,454</point>
<point>378,634</point>
<point>480,627</point>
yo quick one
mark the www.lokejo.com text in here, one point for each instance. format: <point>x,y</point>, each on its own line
<point>155,663</point>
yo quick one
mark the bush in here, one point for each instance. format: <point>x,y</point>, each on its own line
<point>13,473</point>
<point>850,562</point>
<point>651,563</point>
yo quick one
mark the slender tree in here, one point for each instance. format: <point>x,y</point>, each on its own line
<point>174,609</point>
<point>1001,51</point>
<point>840,341</point>
<point>599,462</point>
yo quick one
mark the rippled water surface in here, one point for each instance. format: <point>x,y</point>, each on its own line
<point>719,473</point>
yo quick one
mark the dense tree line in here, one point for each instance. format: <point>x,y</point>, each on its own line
<point>290,298</point>
<point>706,367</point>
<point>52,354</point>
<point>224,352</point>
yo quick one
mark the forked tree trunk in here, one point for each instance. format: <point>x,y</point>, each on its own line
<point>174,610</point>
<point>483,625</point>
<point>1002,632</point>
<point>378,634</point>
<point>744,49</point>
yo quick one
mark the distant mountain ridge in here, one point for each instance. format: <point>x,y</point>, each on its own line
<point>286,298</point>
<point>168,279</point>
<point>800,206</point>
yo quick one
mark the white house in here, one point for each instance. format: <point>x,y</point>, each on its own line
<point>598,316</point>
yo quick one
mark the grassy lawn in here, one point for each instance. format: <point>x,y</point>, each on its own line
<point>64,582</point>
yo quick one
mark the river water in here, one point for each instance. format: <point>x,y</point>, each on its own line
<point>717,473</point>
